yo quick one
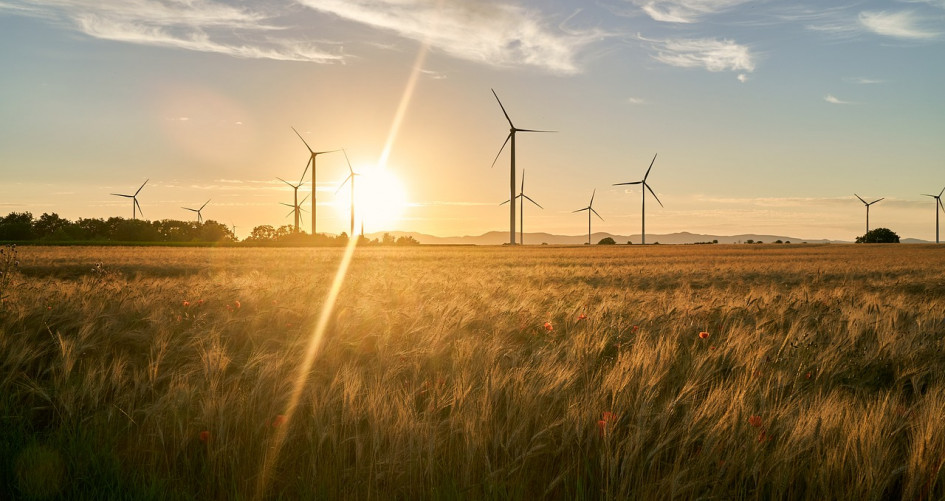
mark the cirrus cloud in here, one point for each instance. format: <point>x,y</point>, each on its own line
<point>707,53</point>
<point>905,25</point>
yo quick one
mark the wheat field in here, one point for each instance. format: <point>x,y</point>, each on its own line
<point>658,372</point>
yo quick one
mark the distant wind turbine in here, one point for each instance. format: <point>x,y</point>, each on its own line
<point>134,201</point>
<point>297,210</point>
<point>938,203</point>
<point>867,204</point>
<point>198,211</point>
<point>521,210</point>
<point>312,161</point>
<point>351,176</point>
<point>589,209</point>
<point>643,212</point>
<point>511,137</point>
<point>295,188</point>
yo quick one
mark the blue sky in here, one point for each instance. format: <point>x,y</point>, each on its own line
<point>767,115</point>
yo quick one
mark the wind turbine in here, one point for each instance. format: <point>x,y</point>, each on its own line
<point>643,212</point>
<point>589,209</point>
<point>297,210</point>
<point>867,204</point>
<point>134,201</point>
<point>938,203</point>
<point>351,176</point>
<point>312,161</point>
<point>199,215</point>
<point>511,136</point>
<point>521,210</point>
<point>296,187</point>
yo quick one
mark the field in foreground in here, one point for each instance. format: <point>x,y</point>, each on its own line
<point>476,373</point>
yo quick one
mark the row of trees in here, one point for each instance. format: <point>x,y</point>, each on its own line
<point>23,227</point>
<point>50,228</point>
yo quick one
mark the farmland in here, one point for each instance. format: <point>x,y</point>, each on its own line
<point>771,371</point>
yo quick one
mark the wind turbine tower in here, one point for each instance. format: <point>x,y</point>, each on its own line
<point>134,201</point>
<point>297,210</point>
<point>590,209</point>
<point>938,204</point>
<point>521,210</point>
<point>643,192</point>
<point>352,174</point>
<point>311,159</point>
<point>867,204</point>
<point>511,137</point>
<point>198,211</point>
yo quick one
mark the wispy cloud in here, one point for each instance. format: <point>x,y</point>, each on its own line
<point>904,24</point>
<point>493,33</point>
<point>684,11</point>
<point>863,81</point>
<point>708,53</point>
<point>636,100</point>
<point>198,25</point>
<point>830,98</point>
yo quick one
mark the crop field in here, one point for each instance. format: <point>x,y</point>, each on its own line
<point>658,372</point>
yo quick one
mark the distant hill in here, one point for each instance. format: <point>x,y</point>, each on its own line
<point>501,237</point>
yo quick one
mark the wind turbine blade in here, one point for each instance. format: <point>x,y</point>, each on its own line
<point>304,172</point>
<point>532,201</point>
<point>324,152</point>
<point>596,214</point>
<point>624,184</point>
<point>861,198</point>
<point>522,191</point>
<point>505,202</point>
<point>120,195</point>
<point>349,162</point>
<point>874,201</point>
<point>291,211</point>
<point>592,199</point>
<point>927,195</point>
<point>940,193</point>
<point>653,193</point>
<point>142,186</point>
<point>303,140</point>
<point>138,205</point>
<point>500,149</point>
<point>503,108</point>
<point>941,205</point>
<point>284,181</point>
<point>533,130</point>
<point>650,167</point>
<point>287,205</point>
<point>580,210</point>
<point>191,210</point>
<point>342,185</point>
<point>304,199</point>
<point>205,204</point>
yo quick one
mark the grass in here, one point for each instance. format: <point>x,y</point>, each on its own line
<point>821,376</point>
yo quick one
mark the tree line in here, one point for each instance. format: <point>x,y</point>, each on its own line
<point>53,229</point>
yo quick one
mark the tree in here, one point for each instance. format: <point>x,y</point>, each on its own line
<point>50,226</point>
<point>879,236</point>
<point>607,241</point>
<point>264,233</point>
<point>407,240</point>
<point>17,226</point>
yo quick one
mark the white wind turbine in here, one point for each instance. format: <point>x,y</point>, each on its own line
<point>643,193</point>
<point>590,209</point>
<point>521,210</point>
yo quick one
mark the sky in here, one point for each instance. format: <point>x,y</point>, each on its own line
<point>766,116</point>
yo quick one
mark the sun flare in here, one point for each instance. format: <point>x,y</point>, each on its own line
<point>380,199</point>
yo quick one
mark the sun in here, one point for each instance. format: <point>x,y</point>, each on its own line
<point>380,199</point>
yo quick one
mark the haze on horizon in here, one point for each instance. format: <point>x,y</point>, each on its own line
<point>767,115</point>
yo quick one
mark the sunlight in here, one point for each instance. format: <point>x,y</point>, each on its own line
<point>380,200</point>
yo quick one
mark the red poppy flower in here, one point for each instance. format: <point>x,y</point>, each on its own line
<point>582,316</point>
<point>279,420</point>
<point>607,416</point>
<point>808,375</point>
<point>204,436</point>
<point>712,348</point>
<point>200,302</point>
<point>755,421</point>
<point>549,327</point>
<point>602,427</point>
<point>236,304</point>
<point>636,328</point>
<point>186,303</point>
<point>703,335</point>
